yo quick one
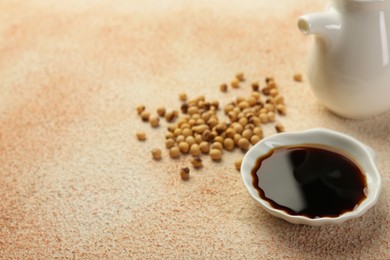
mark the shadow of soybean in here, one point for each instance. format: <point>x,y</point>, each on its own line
<point>352,238</point>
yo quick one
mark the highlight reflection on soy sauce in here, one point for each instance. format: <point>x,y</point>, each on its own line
<point>312,181</point>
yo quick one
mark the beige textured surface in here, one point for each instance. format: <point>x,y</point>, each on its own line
<point>74,182</point>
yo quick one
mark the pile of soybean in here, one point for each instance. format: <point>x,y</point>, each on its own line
<point>196,130</point>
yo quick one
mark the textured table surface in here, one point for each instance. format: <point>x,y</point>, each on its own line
<point>75,182</point>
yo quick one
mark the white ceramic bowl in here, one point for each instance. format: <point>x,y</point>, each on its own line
<point>361,152</point>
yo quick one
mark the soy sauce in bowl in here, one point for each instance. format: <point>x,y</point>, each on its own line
<point>314,181</point>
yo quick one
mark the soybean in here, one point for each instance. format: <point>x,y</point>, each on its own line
<point>154,121</point>
<point>156,153</point>
<point>204,147</point>
<point>279,128</point>
<point>141,136</point>
<point>184,147</point>
<point>185,173</point>
<point>145,116</point>
<point>174,152</point>
<point>235,83</point>
<point>161,111</point>
<point>215,154</point>
<point>197,162</point>
<point>195,150</point>
<point>237,164</point>
<point>244,144</point>
<point>140,109</point>
<point>223,87</point>
<point>228,144</point>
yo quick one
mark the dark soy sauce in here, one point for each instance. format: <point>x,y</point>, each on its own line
<point>309,180</point>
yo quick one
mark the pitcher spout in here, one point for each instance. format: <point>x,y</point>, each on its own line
<point>325,25</point>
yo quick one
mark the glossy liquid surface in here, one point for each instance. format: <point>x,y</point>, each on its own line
<point>312,181</point>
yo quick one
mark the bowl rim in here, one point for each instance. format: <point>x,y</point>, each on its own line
<point>370,170</point>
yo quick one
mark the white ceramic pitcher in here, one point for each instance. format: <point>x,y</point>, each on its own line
<point>349,63</point>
